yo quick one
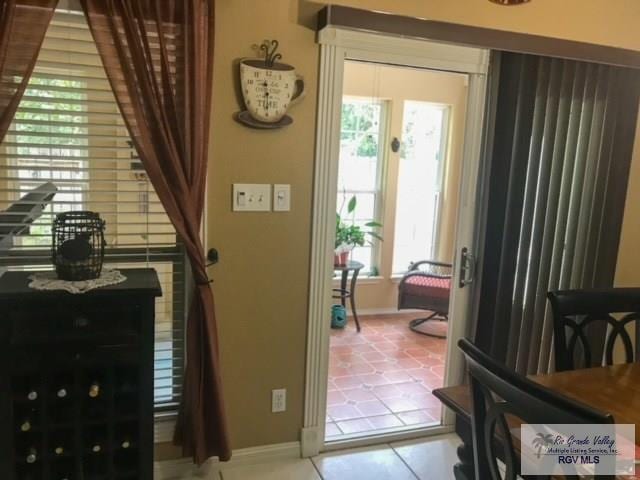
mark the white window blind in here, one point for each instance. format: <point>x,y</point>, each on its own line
<point>68,130</point>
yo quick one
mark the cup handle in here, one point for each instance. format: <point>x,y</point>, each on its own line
<point>300,92</point>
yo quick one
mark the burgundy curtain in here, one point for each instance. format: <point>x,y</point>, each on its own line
<point>158,55</point>
<point>23,24</point>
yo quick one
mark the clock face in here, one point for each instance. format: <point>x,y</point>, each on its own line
<point>267,92</point>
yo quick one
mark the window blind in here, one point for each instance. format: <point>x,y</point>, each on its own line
<point>562,149</point>
<point>68,130</point>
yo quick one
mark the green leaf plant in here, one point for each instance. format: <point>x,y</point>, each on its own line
<point>350,235</point>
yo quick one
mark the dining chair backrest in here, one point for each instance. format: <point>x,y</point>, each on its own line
<point>499,393</point>
<point>588,324</point>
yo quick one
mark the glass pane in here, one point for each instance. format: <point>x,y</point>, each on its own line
<point>363,255</point>
<point>359,164</point>
<point>43,151</point>
<point>419,182</point>
<point>359,145</point>
<point>365,206</point>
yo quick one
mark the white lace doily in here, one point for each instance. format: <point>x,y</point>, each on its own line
<point>49,281</point>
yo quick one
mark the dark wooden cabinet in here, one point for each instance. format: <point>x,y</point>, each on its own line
<point>76,380</point>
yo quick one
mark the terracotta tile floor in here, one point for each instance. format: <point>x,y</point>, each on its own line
<point>382,377</point>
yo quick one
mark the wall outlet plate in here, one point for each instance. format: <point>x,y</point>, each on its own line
<point>278,400</point>
<point>251,197</point>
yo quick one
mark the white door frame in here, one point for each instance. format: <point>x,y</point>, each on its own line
<point>336,46</point>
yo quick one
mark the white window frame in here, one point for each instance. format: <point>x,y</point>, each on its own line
<point>381,169</point>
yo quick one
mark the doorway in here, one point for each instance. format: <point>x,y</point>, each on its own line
<point>401,136</point>
<point>339,51</point>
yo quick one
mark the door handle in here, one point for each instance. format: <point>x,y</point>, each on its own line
<point>467,267</point>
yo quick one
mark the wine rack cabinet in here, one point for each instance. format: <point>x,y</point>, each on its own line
<point>76,380</point>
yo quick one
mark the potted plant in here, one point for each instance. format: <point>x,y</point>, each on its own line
<point>349,235</point>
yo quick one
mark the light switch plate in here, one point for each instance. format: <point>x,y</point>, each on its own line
<point>251,197</point>
<point>281,197</point>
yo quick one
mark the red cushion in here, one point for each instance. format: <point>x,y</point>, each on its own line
<point>428,286</point>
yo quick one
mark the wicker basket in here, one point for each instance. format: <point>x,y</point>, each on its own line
<point>78,245</point>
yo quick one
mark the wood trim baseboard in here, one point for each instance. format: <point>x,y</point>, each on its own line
<point>501,40</point>
<point>184,469</point>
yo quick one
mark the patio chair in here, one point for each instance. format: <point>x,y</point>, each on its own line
<point>426,286</point>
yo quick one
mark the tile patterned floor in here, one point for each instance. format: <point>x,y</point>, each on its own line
<point>382,377</point>
<point>422,459</point>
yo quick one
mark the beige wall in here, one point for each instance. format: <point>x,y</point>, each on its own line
<point>262,279</point>
<point>261,282</point>
<point>628,269</point>
<point>395,85</point>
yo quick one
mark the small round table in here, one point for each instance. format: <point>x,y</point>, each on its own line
<point>343,293</point>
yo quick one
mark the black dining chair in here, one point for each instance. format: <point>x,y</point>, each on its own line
<point>499,393</point>
<point>588,324</point>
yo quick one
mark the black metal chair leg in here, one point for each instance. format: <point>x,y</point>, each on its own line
<point>415,323</point>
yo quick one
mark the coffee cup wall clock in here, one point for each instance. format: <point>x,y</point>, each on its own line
<point>269,88</point>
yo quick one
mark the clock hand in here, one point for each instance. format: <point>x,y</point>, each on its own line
<point>266,96</point>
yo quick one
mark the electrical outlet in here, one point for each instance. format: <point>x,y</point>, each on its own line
<point>278,400</point>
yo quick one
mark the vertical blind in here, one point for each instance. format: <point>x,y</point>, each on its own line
<point>562,148</point>
<point>68,131</point>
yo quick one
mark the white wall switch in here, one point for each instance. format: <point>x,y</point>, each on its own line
<point>281,198</point>
<point>278,400</point>
<point>251,197</point>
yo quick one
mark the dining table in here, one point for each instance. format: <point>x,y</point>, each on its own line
<point>614,389</point>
